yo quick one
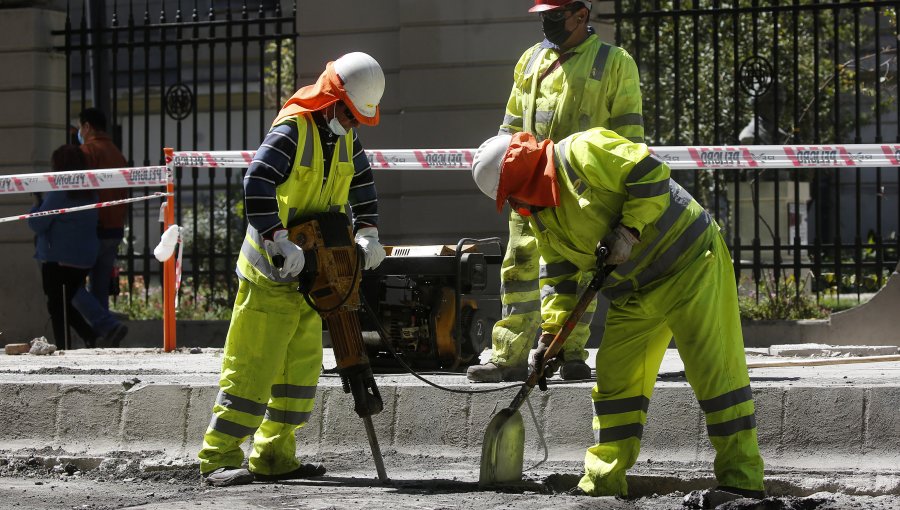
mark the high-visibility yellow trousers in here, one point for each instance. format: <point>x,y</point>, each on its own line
<point>699,306</point>
<point>270,369</point>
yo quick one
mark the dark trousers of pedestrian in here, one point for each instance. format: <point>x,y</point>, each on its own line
<point>60,285</point>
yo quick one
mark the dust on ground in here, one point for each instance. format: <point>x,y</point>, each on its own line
<point>54,480</point>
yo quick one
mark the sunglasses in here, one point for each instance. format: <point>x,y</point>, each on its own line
<point>557,15</point>
<point>349,114</point>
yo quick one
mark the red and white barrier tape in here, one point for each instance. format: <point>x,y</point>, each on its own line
<point>158,194</point>
<point>85,179</point>
<point>678,158</point>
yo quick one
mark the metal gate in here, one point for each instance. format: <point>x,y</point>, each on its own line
<point>187,75</point>
<point>778,72</point>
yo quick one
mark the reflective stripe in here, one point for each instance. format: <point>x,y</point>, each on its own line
<point>538,223</point>
<point>557,269</point>
<point>257,259</point>
<point>521,308</point>
<point>635,139</point>
<point>291,391</point>
<point>621,405</point>
<point>642,168</point>
<point>648,189</point>
<point>586,318</point>
<point>629,119</point>
<point>732,398</point>
<point>518,286</point>
<point>531,59</point>
<point>289,417</point>
<point>343,154</point>
<point>512,120</point>
<point>732,426</point>
<point>600,61</point>
<point>543,116</point>
<point>566,287</point>
<point>617,433</point>
<point>574,179</point>
<point>679,199</point>
<point>231,428</point>
<point>306,158</point>
<point>240,404</point>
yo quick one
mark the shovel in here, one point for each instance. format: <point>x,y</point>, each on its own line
<point>503,449</point>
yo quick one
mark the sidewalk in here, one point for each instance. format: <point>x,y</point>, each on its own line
<point>91,402</point>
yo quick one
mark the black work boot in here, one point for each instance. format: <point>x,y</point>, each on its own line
<point>303,471</point>
<point>575,370</point>
<point>492,372</point>
<point>227,476</point>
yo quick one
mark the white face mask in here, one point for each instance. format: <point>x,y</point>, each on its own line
<point>335,125</point>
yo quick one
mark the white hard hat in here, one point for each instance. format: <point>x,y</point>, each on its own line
<point>363,81</point>
<point>487,161</point>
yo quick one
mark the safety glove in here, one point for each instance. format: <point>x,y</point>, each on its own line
<point>373,251</point>
<point>281,247</point>
<point>623,239</point>
<point>537,359</point>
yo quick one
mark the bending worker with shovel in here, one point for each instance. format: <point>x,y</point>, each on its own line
<point>673,276</point>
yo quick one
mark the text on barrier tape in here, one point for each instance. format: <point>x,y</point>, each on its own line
<point>678,158</point>
<point>85,179</point>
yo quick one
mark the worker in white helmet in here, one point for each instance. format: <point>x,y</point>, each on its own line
<point>672,277</point>
<point>311,161</point>
<point>569,82</point>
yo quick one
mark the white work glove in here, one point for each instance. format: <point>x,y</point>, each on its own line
<point>623,241</point>
<point>167,242</point>
<point>367,239</point>
<point>293,254</point>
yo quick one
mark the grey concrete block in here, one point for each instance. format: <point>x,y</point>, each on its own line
<point>674,424</point>
<point>32,107</point>
<point>824,419</point>
<point>769,403</point>
<point>342,429</point>
<point>427,416</point>
<point>882,421</point>
<point>45,71</point>
<point>28,411</point>
<point>29,29</point>
<point>155,416</point>
<point>199,412</point>
<point>89,414</point>
<point>567,417</point>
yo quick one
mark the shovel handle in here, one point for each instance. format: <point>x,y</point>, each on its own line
<point>534,374</point>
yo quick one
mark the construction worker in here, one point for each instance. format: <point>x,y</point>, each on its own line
<point>571,81</point>
<point>311,161</point>
<point>673,276</point>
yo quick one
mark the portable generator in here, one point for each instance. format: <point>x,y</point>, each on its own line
<point>437,304</point>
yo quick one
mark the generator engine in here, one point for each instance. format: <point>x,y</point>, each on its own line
<point>437,306</point>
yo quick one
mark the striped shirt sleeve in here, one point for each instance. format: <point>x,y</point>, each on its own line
<point>270,167</point>
<point>363,198</point>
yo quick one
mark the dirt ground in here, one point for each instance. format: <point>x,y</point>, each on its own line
<point>53,481</point>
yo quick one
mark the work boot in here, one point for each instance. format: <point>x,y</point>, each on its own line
<point>575,370</point>
<point>227,476</point>
<point>492,372</point>
<point>712,498</point>
<point>303,471</point>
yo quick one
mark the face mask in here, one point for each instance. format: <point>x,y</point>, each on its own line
<point>335,125</point>
<point>555,31</point>
<point>80,138</point>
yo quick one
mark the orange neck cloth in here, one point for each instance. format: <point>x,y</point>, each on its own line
<point>327,90</point>
<point>527,173</point>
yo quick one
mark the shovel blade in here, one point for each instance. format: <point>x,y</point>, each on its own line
<point>503,449</point>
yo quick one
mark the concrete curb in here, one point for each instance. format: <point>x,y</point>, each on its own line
<point>799,426</point>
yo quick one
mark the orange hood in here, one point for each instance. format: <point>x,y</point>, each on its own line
<point>327,90</point>
<point>527,172</point>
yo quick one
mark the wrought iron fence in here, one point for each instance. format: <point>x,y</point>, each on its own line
<point>778,72</point>
<point>187,75</point>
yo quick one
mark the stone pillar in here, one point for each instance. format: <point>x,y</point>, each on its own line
<point>32,99</point>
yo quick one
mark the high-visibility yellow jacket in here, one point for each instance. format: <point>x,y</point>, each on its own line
<point>605,180</point>
<point>303,193</point>
<point>598,86</point>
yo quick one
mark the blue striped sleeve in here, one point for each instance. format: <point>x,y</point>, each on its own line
<point>363,198</point>
<point>270,167</point>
